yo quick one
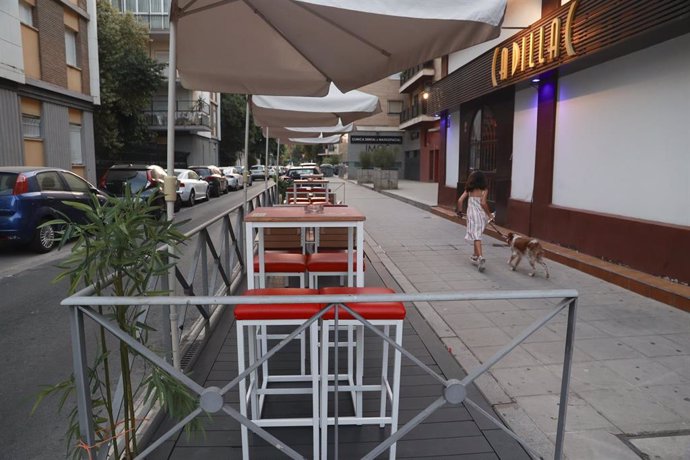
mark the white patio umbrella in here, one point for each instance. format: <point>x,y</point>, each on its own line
<point>297,47</point>
<point>315,140</point>
<point>335,107</point>
<point>315,131</point>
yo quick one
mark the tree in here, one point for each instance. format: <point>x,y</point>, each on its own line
<point>129,78</point>
<point>233,110</point>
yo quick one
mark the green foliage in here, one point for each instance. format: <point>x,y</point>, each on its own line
<point>384,157</point>
<point>116,250</point>
<point>366,160</point>
<point>128,80</point>
<point>232,113</point>
<point>331,160</point>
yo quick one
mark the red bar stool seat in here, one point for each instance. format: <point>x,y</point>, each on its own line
<point>279,263</point>
<point>384,314</point>
<point>256,318</point>
<point>329,263</point>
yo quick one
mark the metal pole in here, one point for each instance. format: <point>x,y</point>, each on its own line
<point>246,153</point>
<point>81,378</point>
<point>565,379</point>
<point>266,167</point>
<point>170,205</point>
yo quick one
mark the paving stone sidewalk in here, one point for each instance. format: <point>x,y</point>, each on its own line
<point>630,387</point>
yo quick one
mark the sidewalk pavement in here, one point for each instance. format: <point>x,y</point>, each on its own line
<point>630,384</point>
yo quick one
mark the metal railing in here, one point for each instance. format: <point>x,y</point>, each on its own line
<point>210,263</point>
<point>211,399</point>
<point>416,109</point>
<point>406,74</point>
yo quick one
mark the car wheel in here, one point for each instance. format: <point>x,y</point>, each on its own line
<point>216,190</point>
<point>192,199</point>
<point>44,238</point>
<point>208,193</point>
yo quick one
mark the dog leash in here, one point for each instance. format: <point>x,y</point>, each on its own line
<point>491,222</point>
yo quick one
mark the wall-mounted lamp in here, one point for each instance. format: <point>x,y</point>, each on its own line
<point>425,93</point>
<point>534,83</point>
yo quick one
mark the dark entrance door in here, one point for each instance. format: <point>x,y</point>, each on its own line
<point>486,143</point>
<point>412,165</point>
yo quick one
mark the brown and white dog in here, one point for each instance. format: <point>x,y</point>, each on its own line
<point>523,246</point>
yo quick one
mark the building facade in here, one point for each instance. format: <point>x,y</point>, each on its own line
<point>376,130</point>
<point>197,113</point>
<point>49,84</point>
<point>579,120</point>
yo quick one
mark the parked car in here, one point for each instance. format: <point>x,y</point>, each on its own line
<point>327,170</point>
<point>31,196</point>
<point>257,172</point>
<point>300,172</point>
<point>240,169</point>
<point>235,179</point>
<point>144,180</point>
<point>215,178</point>
<point>191,187</point>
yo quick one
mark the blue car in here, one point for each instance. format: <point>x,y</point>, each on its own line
<point>30,196</point>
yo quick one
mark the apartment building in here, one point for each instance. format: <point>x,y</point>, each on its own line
<point>197,112</point>
<point>48,84</point>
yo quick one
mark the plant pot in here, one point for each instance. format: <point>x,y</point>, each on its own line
<point>385,179</point>
<point>365,176</point>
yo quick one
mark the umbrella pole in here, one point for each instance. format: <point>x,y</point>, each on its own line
<point>173,338</point>
<point>266,165</point>
<point>246,153</point>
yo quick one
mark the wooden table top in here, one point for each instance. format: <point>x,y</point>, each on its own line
<point>298,214</point>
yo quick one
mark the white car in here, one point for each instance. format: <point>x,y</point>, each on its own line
<point>258,172</point>
<point>235,179</point>
<point>191,187</point>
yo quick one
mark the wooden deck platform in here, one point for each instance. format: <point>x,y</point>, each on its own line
<point>451,432</point>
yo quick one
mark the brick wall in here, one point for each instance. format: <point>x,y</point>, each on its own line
<point>386,89</point>
<point>51,26</point>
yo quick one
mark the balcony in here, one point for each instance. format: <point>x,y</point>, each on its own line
<point>415,114</point>
<point>419,73</point>
<point>190,116</point>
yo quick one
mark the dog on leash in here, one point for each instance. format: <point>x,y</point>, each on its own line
<point>521,246</point>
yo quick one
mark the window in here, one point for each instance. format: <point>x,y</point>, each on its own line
<point>395,107</point>
<point>49,181</point>
<point>26,14</point>
<point>75,144</point>
<point>76,184</point>
<point>31,126</point>
<point>71,48</point>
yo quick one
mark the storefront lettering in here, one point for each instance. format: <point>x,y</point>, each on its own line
<point>520,56</point>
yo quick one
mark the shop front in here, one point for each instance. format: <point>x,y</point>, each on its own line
<point>580,123</point>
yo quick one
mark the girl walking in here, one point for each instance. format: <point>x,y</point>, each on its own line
<point>478,214</point>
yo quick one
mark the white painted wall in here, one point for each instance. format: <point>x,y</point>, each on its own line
<point>524,144</point>
<point>11,57</point>
<point>452,149</point>
<point>622,143</point>
<point>519,14</point>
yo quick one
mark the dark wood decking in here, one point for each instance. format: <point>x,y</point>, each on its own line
<point>450,432</point>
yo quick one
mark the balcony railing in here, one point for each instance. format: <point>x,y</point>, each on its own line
<point>188,114</point>
<point>406,74</point>
<point>417,108</point>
